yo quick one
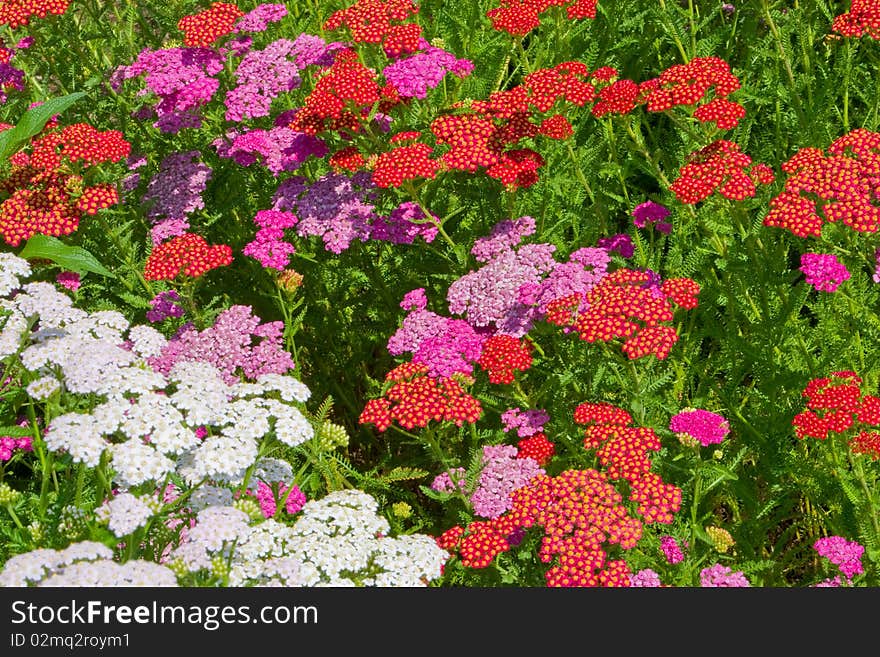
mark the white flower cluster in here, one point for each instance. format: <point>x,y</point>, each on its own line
<point>339,540</point>
<point>124,513</point>
<point>146,422</point>
<point>82,564</point>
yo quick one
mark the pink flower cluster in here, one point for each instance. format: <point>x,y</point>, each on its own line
<point>704,426</point>
<point>268,245</point>
<point>846,555</point>
<point>823,271</point>
<point>720,576</point>
<point>269,500</point>
<point>671,549</point>
<point>9,444</point>
<point>527,423</point>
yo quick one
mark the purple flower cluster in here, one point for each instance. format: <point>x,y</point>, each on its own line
<point>268,245</point>
<point>704,426</point>
<point>503,236</point>
<point>527,423</point>
<point>823,271</point>
<point>262,76</point>
<point>163,306</point>
<point>720,576</point>
<point>405,223</point>
<point>258,19</point>
<point>414,75</point>
<point>651,213</point>
<point>181,78</point>
<point>309,50</point>
<point>584,269</point>
<point>846,555</point>
<point>278,149</point>
<point>237,344</point>
<point>335,207</point>
<point>176,189</point>
<point>620,243</point>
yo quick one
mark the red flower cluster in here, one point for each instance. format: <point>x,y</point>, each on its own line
<point>519,17</point>
<point>403,163</point>
<point>205,27</point>
<point>537,447</point>
<point>380,21</point>
<point>689,84</point>
<point>415,399</point>
<point>721,167</point>
<point>841,406</point>
<point>44,190</point>
<point>845,180</point>
<point>342,97</point>
<point>502,356</point>
<point>625,304</point>
<point>486,134</point>
<point>862,18</point>
<point>17,13</point>
<point>188,254</point>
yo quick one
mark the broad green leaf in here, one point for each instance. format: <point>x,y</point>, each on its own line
<point>74,258</point>
<point>32,122</point>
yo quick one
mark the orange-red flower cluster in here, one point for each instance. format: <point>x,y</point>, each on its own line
<point>845,181</point>
<point>380,21</point>
<point>45,193</point>
<point>623,451</point>
<point>188,254</point>
<point>519,17</point>
<point>720,167</point>
<point>625,304</point>
<point>17,13</point>
<point>205,27</point>
<point>862,18</point>
<point>414,399</point>
<point>835,404</point>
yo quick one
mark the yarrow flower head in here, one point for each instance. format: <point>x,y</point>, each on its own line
<point>823,271</point>
<point>651,213</point>
<point>704,427</point>
<point>722,576</point>
<point>846,555</point>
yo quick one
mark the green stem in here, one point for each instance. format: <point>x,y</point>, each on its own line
<point>670,27</point>
<point>14,516</point>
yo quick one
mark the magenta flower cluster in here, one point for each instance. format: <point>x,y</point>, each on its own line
<point>846,555</point>
<point>704,426</point>
<point>671,549</point>
<point>412,76</point>
<point>823,271</point>
<point>268,245</point>
<point>10,444</point>
<point>653,214</point>
<point>265,495</point>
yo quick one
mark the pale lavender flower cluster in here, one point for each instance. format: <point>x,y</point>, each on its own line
<point>527,423</point>
<point>262,76</point>
<point>176,189</point>
<point>501,473</point>
<point>268,245</point>
<point>414,75</point>
<point>258,19</point>
<point>405,223</point>
<point>237,344</point>
<point>721,576</point>
<point>645,578</point>
<point>163,306</point>
<point>846,555</point>
<point>823,271</point>
<point>445,345</point>
<point>584,269</point>
<point>278,149</point>
<point>182,79</point>
<point>503,236</point>
<point>335,206</point>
